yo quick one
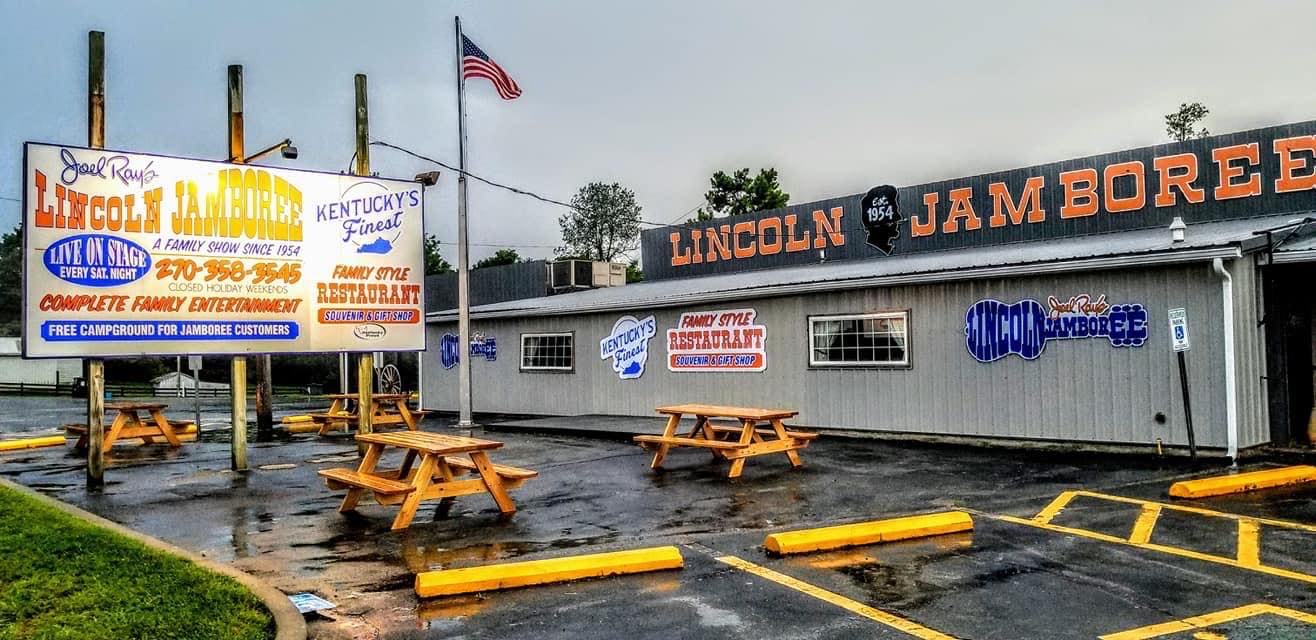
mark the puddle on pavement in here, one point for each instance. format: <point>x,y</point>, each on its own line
<point>892,572</point>
<point>420,557</point>
<point>346,457</point>
<point>448,608</point>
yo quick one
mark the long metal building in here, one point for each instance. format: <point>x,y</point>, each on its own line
<point>1044,303</point>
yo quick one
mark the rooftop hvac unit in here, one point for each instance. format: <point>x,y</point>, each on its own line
<point>571,275</point>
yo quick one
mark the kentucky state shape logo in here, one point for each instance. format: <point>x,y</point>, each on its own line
<point>628,345</point>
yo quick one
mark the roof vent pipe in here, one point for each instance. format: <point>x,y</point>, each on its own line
<point>1178,230</point>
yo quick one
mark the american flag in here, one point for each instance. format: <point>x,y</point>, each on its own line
<point>476,64</point>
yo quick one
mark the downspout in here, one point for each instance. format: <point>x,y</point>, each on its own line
<point>1231,399</point>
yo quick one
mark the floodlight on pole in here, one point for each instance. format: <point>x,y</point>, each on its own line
<point>284,147</point>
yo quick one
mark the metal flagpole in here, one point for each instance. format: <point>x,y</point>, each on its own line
<point>463,272</point>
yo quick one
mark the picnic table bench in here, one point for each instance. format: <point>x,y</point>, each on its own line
<point>128,424</point>
<point>735,441</point>
<point>438,476</point>
<point>387,409</point>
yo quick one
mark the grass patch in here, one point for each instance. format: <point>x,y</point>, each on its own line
<point>61,578</point>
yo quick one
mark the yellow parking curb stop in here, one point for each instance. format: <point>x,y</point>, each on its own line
<point>861,533</point>
<point>448,582</point>
<point>31,443</point>
<point>1242,482</point>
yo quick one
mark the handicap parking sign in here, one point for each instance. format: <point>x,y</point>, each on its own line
<point>1179,329</point>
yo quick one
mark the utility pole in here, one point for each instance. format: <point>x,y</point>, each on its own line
<point>365,366</point>
<point>264,396</point>
<point>94,368</point>
<point>238,370</point>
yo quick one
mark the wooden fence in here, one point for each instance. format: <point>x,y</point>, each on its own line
<point>135,390</point>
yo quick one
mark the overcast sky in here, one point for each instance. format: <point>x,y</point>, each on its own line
<point>838,96</point>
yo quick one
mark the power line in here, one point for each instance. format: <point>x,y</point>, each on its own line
<point>472,175</point>
<point>688,212</point>
<point>510,188</point>
<point>503,245</point>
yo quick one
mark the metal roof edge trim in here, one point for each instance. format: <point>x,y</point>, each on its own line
<point>1286,257</point>
<point>1018,270</point>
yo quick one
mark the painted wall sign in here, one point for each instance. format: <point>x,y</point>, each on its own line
<point>1179,330</point>
<point>136,254</point>
<point>1237,175</point>
<point>717,341</point>
<point>628,345</point>
<point>483,346</point>
<point>770,235</point>
<point>995,329</point>
<point>882,218</point>
<point>449,350</point>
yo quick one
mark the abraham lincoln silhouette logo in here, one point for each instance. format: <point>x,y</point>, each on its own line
<point>882,217</point>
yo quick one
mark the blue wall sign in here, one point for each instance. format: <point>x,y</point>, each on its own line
<point>483,346</point>
<point>449,353</point>
<point>995,329</point>
<point>628,345</point>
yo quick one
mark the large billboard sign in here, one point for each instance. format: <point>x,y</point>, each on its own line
<point>135,254</point>
<point>1268,171</point>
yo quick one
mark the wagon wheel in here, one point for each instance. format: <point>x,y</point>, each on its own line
<point>390,379</point>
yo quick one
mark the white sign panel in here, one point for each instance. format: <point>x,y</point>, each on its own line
<point>134,254</point>
<point>628,345</point>
<point>726,340</point>
<point>1179,329</point>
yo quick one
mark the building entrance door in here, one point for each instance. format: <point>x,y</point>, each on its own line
<point>1289,306</point>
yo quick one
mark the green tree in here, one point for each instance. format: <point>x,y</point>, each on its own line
<point>633,272</point>
<point>499,258</point>
<point>604,222</point>
<point>434,263</point>
<point>11,283</point>
<point>143,369</point>
<point>738,194</point>
<point>1179,125</point>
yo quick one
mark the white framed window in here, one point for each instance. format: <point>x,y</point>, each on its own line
<point>548,351</point>
<point>859,340</point>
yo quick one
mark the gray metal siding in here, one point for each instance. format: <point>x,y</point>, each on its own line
<point>14,369</point>
<point>1249,354</point>
<point>1083,389</point>
<point>489,285</point>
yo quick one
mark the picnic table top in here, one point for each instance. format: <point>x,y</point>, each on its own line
<point>718,411</point>
<point>429,442</point>
<point>373,396</point>
<point>135,406</point>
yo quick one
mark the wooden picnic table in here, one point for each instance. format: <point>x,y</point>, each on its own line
<point>729,441</point>
<point>436,477</point>
<point>386,409</point>
<point>128,424</point>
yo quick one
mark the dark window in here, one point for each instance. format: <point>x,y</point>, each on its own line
<point>548,352</point>
<point>871,339</point>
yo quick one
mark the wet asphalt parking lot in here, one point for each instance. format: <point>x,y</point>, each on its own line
<point>1050,555</point>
